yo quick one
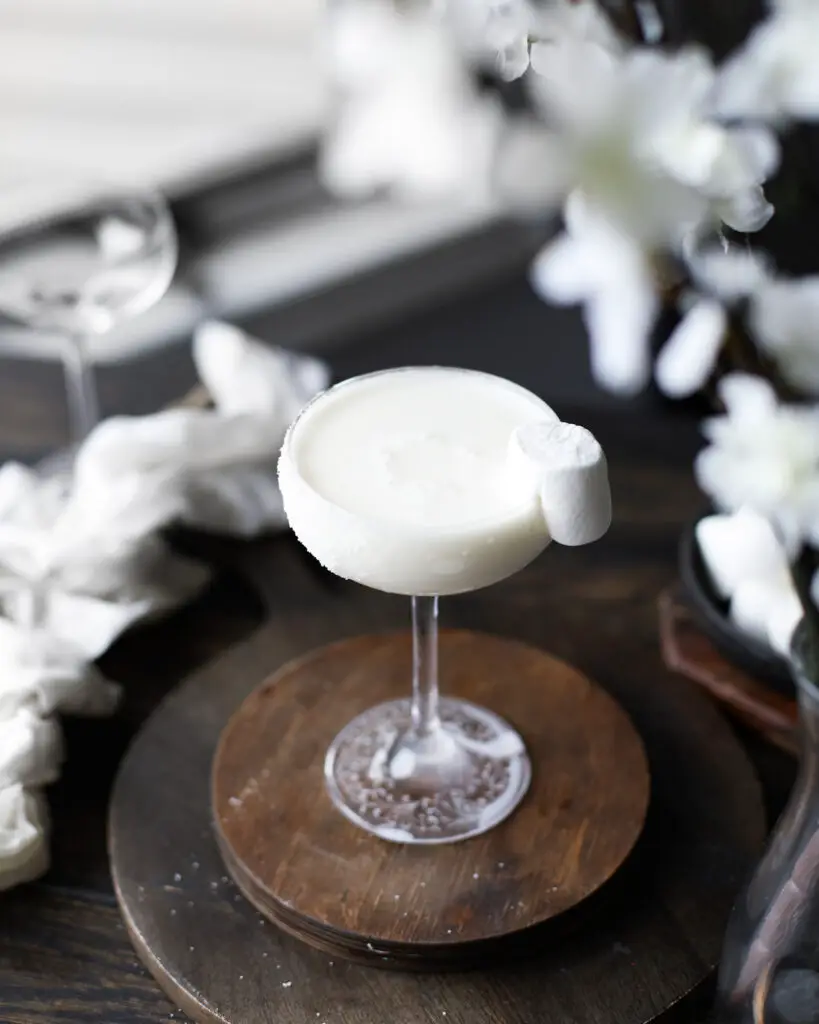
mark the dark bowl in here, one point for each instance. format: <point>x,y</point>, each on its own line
<point>746,652</point>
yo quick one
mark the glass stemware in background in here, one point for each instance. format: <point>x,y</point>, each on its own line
<point>75,261</point>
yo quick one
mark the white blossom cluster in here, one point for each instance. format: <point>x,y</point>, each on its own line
<point>655,160</point>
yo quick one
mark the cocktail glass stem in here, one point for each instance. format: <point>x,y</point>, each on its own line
<point>81,388</point>
<point>426,770</point>
<point>425,700</point>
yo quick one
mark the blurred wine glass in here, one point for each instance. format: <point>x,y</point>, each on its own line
<point>75,261</point>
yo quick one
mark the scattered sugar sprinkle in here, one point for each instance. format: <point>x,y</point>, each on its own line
<point>476,875</point>
<point>214,885</point>
<point>265,954</point>
<point>234,801</point>
<point>191,948</point>
<point>173,911</point>
<point>177,877</point>
<point>396,897</point>
<point>195,865</point>
<point>286,984</point>
<point>241,977</point>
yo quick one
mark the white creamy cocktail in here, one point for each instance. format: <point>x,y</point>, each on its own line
<point>427,481</point>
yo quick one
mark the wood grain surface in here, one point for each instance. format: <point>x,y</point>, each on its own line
<point>656,933</point>
<point>351,894</point>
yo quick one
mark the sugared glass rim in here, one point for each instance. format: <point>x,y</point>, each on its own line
<point>471,524</point>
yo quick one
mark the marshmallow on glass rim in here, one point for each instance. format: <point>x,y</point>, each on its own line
<point>425,481</point>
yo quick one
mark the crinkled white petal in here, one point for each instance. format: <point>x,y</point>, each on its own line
<point>689,355</point>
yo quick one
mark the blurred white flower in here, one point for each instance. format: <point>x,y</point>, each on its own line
<point>727,272</point>
<point>501,32</point>
<point>596,264</point>
<point>775,74</point>
<point>410,117</point>
<point>721,278</point>
<point>764,456</point>
<point>784,320</point>
<point>634,136</point>
<point>689,354</point>
<point>497,32</point>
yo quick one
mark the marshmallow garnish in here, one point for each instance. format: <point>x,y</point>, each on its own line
<point>569,469</point>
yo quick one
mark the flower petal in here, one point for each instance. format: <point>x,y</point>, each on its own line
<point>688,356</point>
<point>619,325</point>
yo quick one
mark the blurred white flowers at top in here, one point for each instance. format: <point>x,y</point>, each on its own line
<point>500,33</point>
<point>410,116</point>
<point>636,145</point>
<point>636,139</point>
<point>784,320</point>
<point>764,455</point>
<point>596,264</point>
<point>775,74</point>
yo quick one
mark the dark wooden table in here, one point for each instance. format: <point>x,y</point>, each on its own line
<point>64,956</point>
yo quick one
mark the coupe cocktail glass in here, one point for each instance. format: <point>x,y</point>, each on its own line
<point>401,481</point>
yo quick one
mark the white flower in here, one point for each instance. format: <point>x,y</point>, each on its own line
<point>594,263</point>
<point>775,74</point>
<point>410,117</point>
<point>501,32</point>
<point>727,273</point>
<point>765,456</point>
<point>784,319</point>
<point>721,278</point>
<point>638,143</point>
<point>689,354</point>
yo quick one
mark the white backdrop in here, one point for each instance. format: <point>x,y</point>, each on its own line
<point>155,90</point>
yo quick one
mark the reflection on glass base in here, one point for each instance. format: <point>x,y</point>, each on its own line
<point>457,781</point>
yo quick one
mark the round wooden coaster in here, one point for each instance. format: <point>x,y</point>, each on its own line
<point>652,936</point>
<point>308,869</point>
